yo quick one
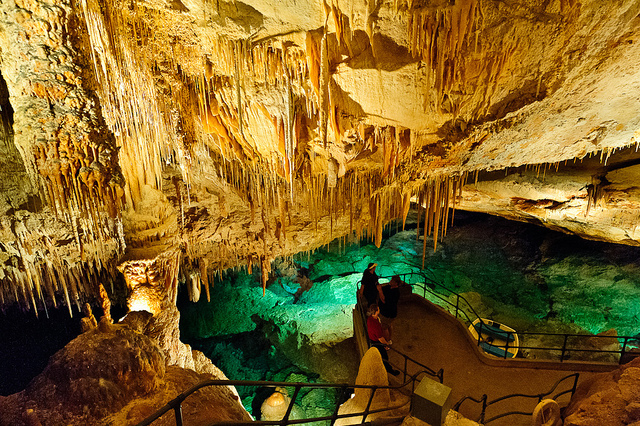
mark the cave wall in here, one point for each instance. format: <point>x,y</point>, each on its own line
<point>228,133</point>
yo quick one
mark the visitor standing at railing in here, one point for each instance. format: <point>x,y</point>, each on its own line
<point>389,308</point>
<point>370,287</point>
<point>378,338</point>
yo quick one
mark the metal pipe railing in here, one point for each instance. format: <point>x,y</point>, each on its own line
<point>430,286</point>
<point>176,403</point>
<point>539,396</point>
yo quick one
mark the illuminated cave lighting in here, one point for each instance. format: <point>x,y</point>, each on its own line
<point>140,303</point>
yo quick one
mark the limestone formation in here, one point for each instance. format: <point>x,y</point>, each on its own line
<point>181,139</point>
<point>99,379</point>
<point>610,400</point>
<point>237,133</point>
<point>371,372</point>
<point>122,373</point>
<point>275,407</point>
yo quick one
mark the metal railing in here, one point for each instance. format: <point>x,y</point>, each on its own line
<point>461,310</point>
<point>175,404</point>
<point>568,344</point>
<point>484,399</point>
<point>407,360</point>
<point>408,379</point>
<point>539,397</point>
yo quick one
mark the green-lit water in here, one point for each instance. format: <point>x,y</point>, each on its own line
<point>526,276</point>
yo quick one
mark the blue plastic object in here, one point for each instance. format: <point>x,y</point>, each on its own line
<point>495,332</point>
<point>494,350</point>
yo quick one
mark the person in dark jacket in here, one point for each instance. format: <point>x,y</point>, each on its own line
<point>389,308</point>
<point>370,287</point>
<point>391,292</point>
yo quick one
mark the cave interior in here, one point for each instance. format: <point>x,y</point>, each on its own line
<point>156,152</point>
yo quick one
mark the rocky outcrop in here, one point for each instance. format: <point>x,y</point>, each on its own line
<point>371,372</point>
<point>612,399</point>
<point>113,374</point>
<point>122,373</point>
<point>594,201</point>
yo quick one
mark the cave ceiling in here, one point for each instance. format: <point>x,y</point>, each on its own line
<point>216,134</point>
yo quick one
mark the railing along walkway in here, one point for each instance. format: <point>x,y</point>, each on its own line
<point>432,336</point>
<point>434,341</point>
<point>538,398</point>
<point>175,404</point>
<point>565,345</point>
<point>360,332</point>
<point>478,376</point>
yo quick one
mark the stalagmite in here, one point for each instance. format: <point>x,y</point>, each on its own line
<point>105,303</point>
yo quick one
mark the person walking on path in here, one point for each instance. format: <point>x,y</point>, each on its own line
<point>378,338</point>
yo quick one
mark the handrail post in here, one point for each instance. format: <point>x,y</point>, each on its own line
<point>506,345</point>
<point>285,419</point>
<point>334,417</point>
<point>178,414</point>
<point>484,408</point>
<point>365,414</point>
<point>624,347</point>
<point>457,303</point>
<point>406,360</point>
<point>564,347</point>
<point>575,384</point>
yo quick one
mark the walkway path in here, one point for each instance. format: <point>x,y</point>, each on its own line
<point>427,334</point>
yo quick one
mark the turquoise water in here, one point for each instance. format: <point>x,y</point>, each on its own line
<point>526,276</point>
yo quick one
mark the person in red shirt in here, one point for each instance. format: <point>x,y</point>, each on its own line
<point>378,338</point>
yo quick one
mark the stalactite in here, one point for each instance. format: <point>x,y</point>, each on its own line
<point>424,234</point>
<point>406,204</point>
<point>238,53</point>
<point>14,279</point>
<point>265,269</point>
<point>420,208</point>
<point>449,205</point>
<point>438,37</point>
<point>203,264</point>
<point>324,88</point>
<point>378,222</point>
<point>128,94</point>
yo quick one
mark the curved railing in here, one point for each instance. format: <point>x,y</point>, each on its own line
<point>564,344</point>
<point>539,397</point>
<point>484,399</point>
<point>175,404</point>
<point>407,360</point>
